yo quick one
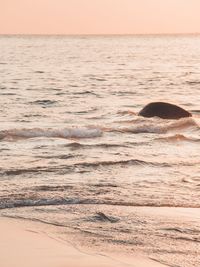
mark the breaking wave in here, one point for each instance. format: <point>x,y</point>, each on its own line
<point>63,133</point>
<point>154,125</point>
<point>158,126</point>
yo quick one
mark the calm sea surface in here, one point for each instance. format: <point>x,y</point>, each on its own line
<point>75,154</point>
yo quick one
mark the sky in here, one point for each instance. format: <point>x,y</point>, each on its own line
<point>99,16</point>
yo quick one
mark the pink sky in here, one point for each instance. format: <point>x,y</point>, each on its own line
<point>99,16</point>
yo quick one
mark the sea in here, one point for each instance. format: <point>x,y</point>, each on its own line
<point>74,153</point>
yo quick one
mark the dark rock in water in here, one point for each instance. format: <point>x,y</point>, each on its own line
<point>164,111</point>
<point>100,216</point>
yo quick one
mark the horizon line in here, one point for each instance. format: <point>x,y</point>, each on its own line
<point>97,34</point>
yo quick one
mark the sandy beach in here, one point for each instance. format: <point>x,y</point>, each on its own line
<point>22,245</point>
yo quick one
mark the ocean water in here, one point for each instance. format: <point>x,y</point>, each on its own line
<point>75,154</point>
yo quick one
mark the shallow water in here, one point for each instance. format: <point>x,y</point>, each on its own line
<point>73,150</point>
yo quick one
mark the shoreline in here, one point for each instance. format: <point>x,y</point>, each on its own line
<point>24,243</point>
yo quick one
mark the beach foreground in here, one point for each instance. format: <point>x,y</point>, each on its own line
<point>22,245</point>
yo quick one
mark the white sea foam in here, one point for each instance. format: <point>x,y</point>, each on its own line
<point>159,126</point>
<point>60,133</point>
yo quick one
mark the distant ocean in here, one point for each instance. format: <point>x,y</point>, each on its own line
<point>74,152</point>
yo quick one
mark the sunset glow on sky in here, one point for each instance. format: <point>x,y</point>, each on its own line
<point>99,16</point>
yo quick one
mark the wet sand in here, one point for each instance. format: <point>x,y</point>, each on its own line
<point>22,245</point>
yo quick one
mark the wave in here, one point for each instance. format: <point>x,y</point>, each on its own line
<point>76,145</point>
<point>81,166</point>
<point>31,202</point>
<point>154,125</point>
<point>178,138</point>
<point>36,201</point>
<point>121,162</point>
<point>43,102</point>
<point>63,133</point>
<point>87,92</point>
<point>157,125</point>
